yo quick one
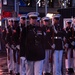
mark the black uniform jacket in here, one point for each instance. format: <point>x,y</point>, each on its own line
<point>69,34</point>
<point>9,35</point>
<point>22,42</point>
<point>16,35</point>
<point>34,44</point>
<point>4,35</point>
<point>58,38</point>
<point>48,36</point>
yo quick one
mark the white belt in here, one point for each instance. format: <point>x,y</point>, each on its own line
<point>56,38</point>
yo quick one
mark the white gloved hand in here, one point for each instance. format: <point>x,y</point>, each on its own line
<point>66,45</point>
<point>24,58</point>
<point>7,46</point>
<point>64,38</point>
<point>55,30</point>
<point>13,47</point>
<point>72,43</point>
<point>18,47</point>
<point>53,46</point>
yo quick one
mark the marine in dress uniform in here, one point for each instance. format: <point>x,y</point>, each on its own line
<point>47,29</point>
<point>22,45</point>
<point>8,40</point>
<point>58,48</point>
<point>16,45</point>
<point>73,43</point>
<point>69,46</point>
<point>35,52</point>
<point>0,37</point>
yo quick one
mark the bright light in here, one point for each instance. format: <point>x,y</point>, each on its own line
<point>0,23</point>
<point>4,2</point>
<point>0,4</point>
<point>28,4</point>
<point>0,11</point>
<point>63,4</point>
<point>39,3</point>
<point>50,15</point>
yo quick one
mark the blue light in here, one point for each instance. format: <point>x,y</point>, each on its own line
<point>22,3</point>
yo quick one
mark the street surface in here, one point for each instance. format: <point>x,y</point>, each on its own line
<point>3,65</point>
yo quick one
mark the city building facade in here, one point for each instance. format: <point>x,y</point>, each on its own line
<point>16,7</point>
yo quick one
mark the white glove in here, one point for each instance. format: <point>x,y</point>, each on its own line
<point>18,47</point>
<point>64,38</point>
<point>44,34</point>
<point>53,46</point>
<point>55,30</point>
<point>66,45</point>
<point>24,58</point>
<point>7,46</point>
<point>13,47</point>
<point>72,43</point>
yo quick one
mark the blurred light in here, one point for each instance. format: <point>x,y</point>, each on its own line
<point>51,1</point>
<point>39,3</point>
<point>28,4</point>
<point>63,4</point>
<point>4,2</point>
<point>0,11</point>
<point>0,17</point>
<point>0,23</point>
<point>0,4</point>
<point>50,15</point>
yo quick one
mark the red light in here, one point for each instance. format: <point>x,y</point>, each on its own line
<point>0,17</point>
<point>6,14</point>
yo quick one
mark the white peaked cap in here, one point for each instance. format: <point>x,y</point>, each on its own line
<point>33,14</point>
<point>69,21</point>
<point>45,18</point>
<point>9,19</point>
<point>56,16</point>
<point>23,16</point>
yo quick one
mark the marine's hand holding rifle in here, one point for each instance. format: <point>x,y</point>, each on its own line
<point>14,31</point>
<point>66,45</point>
<point>55,31</point>
<point>18,47</point>
<point>72,43</point>
<point>48,30</point>
<point>15,47</point>
<point>53,46</point>
<point>7,46</point>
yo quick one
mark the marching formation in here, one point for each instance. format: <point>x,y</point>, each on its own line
<point>36,46</point>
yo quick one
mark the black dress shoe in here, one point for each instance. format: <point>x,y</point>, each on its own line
<point>11,72</point>
<point>70,70</point>
<point>17,73</point>
<point>48,74</point>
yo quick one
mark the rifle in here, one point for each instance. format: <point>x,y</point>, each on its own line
<point>66,53</point>
<point>72,47</point>
<point>16,51</point>
<point>51,58</point>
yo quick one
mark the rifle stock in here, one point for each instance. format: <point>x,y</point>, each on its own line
<point>66,53</point>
